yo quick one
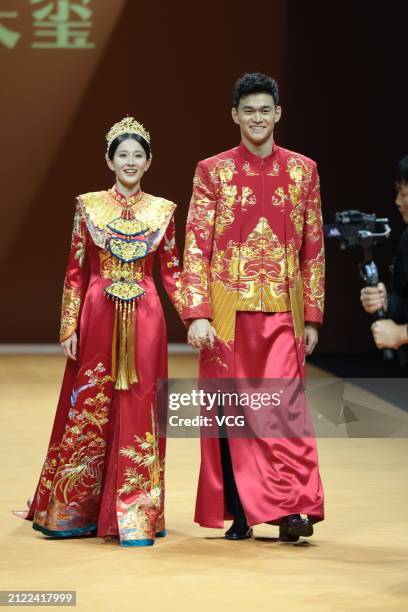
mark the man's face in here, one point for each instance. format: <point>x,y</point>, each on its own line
<point>402,200</point>
<point>256,116</point>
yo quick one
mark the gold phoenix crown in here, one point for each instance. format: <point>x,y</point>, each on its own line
<point>128,125</point>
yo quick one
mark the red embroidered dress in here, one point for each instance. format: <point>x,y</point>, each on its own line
<point>104,470</point>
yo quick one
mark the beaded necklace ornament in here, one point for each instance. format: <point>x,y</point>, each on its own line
<point>127,244</point>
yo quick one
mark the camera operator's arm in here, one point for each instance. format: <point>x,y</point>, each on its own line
<point>397,308</point>
<point>312,263</point>
<point>388,334</point>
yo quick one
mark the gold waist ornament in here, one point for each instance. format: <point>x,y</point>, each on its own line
<point>124,291</point>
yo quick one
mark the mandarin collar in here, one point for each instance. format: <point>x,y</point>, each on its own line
<point>122,199</point>
<point>246,154</point>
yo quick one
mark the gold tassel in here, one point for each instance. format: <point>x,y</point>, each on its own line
<point>131,344</point>
<point>115,343</point>
<point>122,382</point>
<point>124,374</point>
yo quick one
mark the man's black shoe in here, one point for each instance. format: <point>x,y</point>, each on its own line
<point>294,526</point>
<point>239,531</point>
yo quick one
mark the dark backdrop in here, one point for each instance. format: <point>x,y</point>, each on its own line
<point>345,104</point>
<point>172,65</point>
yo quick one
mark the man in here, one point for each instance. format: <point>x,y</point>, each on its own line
<point>253,274</point>
<point>393,331</point>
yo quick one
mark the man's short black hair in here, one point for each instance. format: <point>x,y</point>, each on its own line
<point>253,83</point>
<point>401,173</point>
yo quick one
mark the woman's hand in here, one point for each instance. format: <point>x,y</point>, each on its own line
<point>69,346</point>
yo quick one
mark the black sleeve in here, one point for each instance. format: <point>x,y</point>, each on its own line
<point>398,298</point>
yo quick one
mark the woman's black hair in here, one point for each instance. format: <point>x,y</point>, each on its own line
<point>115,143</point>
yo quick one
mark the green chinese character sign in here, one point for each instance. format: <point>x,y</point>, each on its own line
<point>57,24</point>
<point>63,24</point>
<point>8,37</point>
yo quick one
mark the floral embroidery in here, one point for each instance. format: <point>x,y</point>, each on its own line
<point>71,298</point>
<point>198,283</point>
<point>313,277</point>
<point>83,436</point>
<point>144,485</point>
<point>275,169</point>
<point>248,170</point>
<point>79,238</point>
<point>313,219</point>
<point>248,197</point>
<point>299,171</point>
<point>279,198</point>
<point>71,477</point>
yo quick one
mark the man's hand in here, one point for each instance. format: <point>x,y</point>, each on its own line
<point>69,346</point>
<point>388,334</point>
<point>374,298</point>
<point>201,334</point>
<point>311,336</point>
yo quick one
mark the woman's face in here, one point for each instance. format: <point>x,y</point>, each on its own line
<point>129,163</point>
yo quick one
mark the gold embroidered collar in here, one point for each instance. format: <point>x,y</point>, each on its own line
<point>101,208</point>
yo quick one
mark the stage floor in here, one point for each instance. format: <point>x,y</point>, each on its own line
<point>357,560</point>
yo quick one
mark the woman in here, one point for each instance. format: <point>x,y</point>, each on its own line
<point>104,470</point>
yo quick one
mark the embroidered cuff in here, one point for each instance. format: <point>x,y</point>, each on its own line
<point>71,303</point>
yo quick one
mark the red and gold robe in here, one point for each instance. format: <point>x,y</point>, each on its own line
<point>254,266</point>
<point>104,469</point>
